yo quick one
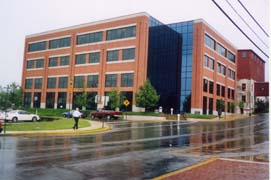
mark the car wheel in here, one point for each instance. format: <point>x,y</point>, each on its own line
<point>92,117</point>
<point>34,119</point>
<point>14,119</point>
<point>108,117</point>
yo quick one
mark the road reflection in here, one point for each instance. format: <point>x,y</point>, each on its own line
<point>132,149</point>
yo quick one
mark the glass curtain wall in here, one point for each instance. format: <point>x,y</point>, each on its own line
<point>185,29</point>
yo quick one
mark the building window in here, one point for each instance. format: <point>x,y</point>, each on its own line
<point>39,63</point>
<point>63,82</point>
<point>59,43</point>
<point>113,55</point>
<point>89,38</point>
<point>243,87</point>
<point>211,63</point>
<point>92,81</point>
<point>231,74</point>
<point>221,50</point>
<point>38,83</point>
<point>94,57</point>
<point>111,80</point>
<point>30,64</point>
<point>51,82</point>
<point>231,56</point>
<point>223,91</point>
<point>128,54</point>
<point>127,79</point>
<point>221,69</point>
<point>27,99</point>
<point>244,54</point>
<point>28,83</point>
<point>243,98</point>
<point>210,42</point>
<point>121,33</point>
<point>64,60</point>
<point>205,85</point>
<point>206,59</point>
<point>53,62</point>
<point>38,46</point>
<point>79,81</point>
<point>211,87</point>
<point>80,59</point>
<point>232,94</point>
<point>218,89</point>
<point>61,100</point>
<point>229,93</point>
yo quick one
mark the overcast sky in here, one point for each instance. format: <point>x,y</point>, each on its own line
<point>23,17</point>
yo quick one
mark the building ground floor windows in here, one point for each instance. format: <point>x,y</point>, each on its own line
<point>208,106</point>
<point>87,100</point>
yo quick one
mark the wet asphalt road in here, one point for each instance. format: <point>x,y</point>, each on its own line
<point>132,150</point>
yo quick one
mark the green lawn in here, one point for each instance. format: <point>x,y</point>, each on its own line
<point>46,125</point>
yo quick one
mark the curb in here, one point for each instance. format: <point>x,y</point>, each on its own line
<point>57,133</point>
<point>185,169</point>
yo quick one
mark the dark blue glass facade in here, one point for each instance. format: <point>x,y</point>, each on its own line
<point>164,62</point>
<point>185,30</point>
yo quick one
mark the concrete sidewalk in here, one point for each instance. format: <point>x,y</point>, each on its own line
<point>95,127</point>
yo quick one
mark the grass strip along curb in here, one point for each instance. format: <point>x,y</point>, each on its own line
<point>59,133</point>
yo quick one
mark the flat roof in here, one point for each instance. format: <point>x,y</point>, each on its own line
<point>89,24</point>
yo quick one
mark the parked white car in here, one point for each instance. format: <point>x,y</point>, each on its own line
<point>20,115</point>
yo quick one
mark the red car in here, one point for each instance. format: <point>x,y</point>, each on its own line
<point>106,114</point>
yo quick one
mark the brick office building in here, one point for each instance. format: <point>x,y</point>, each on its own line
<point>189,63</point>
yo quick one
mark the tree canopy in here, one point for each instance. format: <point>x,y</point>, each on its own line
<point>147,96</point>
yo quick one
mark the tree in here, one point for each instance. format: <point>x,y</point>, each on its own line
<point>187,104</point>
<point>80,99</point>
<point>147,96</point>
<point>220,106</point>
<point>241,106</point>
<point>114,99</point>
<point>232,107</point>
<point>261,106</point>
<point>11,96</point>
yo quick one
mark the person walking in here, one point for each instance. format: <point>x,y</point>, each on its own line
<point>76,115</point>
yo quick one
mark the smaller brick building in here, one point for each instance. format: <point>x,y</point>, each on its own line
<point>250,65</point>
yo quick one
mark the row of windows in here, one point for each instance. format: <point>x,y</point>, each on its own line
<point>211,43</point>
<point>62,82</point>
<point>89,38</point>
<point>35,63</point>
<point>113,34</point>
<point>59,43</point>
<point>127,80</point>
<point>51,83</point>
<point>127,54</point>
<point>209,63</point>
<point>92,58</point>
<point>37,83</point>
<point>59,61</point>
<point>220,89</point>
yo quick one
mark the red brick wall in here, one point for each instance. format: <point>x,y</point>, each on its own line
<point>262,89</point>
<point>250,67</point>
<point>199,72</point>
<point>139,66</point>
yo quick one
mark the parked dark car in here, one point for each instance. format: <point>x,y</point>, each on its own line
<point>69,114</point>
<point>105,114</point>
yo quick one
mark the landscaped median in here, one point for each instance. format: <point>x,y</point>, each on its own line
<point>61,126</point>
